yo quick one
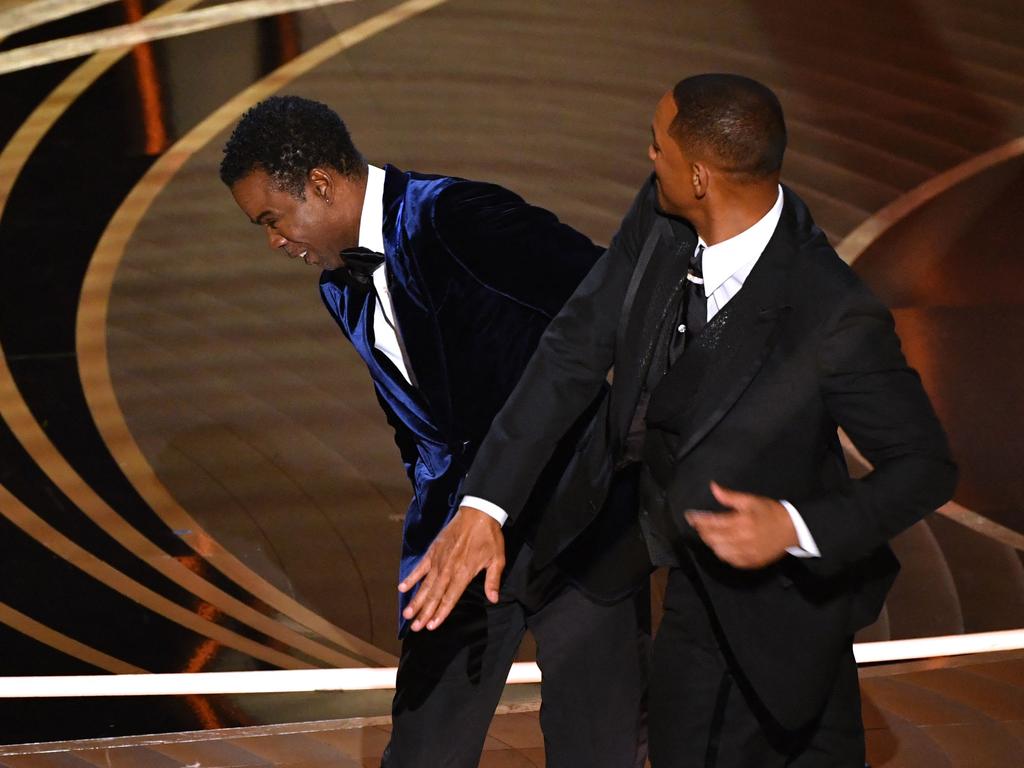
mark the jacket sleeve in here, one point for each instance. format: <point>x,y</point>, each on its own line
<point>517,249</point>
<point>871,392</point>
<point>564,375</point>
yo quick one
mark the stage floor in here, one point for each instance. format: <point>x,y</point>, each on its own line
<point>963,712</point>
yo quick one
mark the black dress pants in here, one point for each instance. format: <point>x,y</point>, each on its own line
<point>703,713</point>
<point>594,663</point>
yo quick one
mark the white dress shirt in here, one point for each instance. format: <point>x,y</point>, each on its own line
<point>371,235</point>
<point>725,266</point>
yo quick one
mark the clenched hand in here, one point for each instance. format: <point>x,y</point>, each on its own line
<point>753,533</point>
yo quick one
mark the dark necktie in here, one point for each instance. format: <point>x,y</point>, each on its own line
<point>693,309</point>
<point>360,264</point>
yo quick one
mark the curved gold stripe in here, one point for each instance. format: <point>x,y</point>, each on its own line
<point>15,511</point>
<point>150,29</point>
<point>26,15</point>
<point>42,119</point>
<point>29,627</point>
<point>28,432</point>
<point>858,241</point>
<point>92,323</point>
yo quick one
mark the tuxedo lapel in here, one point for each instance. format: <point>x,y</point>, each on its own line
<point>659,271</point>
<point>711,376</point>
<point>416,318</point>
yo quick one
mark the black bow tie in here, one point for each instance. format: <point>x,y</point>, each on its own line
<point>360,264</point>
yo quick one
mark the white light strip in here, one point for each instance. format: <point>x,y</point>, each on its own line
<point>274,681</point>
<point>383,678</point>
<point>931,647</point>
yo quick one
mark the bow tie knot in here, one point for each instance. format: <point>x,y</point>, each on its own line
<point>360,264</point>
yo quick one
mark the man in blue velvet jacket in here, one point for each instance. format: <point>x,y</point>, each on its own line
<point>444,286</point>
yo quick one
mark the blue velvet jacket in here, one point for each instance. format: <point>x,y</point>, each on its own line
<point>475,275</point>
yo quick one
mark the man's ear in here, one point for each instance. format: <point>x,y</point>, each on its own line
<point>700,178</point>
<point>322,182</point>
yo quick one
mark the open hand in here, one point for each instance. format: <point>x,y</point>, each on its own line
<point>753,533</point>
<point>471,542</point>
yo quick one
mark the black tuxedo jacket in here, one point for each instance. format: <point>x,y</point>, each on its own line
<point>754,404</point>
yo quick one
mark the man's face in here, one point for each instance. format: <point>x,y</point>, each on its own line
<point>307,229</point>
<point>672,168</point>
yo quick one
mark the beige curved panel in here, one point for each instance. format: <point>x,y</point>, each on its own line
<point>15,511</point>
<point>29,627</point>
<point>26,429</point>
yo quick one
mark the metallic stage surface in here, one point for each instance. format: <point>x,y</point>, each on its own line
<point>194,472</point>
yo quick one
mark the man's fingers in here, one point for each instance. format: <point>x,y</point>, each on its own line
<point>713,521</point>
<point>728,497</point>
<point>492,580</point>
<point>422,569</point>
<point>431,600</point>
<point>451,596</point>
<point>416,604</point>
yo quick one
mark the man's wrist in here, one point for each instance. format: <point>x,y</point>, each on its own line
<point>487,507</point>
<point>806,546</point>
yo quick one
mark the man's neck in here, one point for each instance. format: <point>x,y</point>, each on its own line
<point>736,210</point>
<point>358,196</point>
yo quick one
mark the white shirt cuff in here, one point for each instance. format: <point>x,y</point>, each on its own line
<point>807,548</point>
<point>489,509</point>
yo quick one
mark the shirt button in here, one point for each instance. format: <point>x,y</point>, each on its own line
<point>681,329</point>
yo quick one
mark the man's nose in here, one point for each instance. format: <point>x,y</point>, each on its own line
<point>276,239</point>
<point>650,153</point>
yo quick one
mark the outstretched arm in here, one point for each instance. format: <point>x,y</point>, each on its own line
<point>561,380</point>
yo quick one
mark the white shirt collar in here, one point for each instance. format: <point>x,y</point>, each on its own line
<point>725,259</point>
<point>371,221</point>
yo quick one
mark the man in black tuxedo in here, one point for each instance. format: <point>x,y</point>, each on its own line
<point>739,343</point>
<point>444,286</point>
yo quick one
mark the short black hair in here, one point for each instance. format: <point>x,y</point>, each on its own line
<point>733,120</point>
<point>287,137</point>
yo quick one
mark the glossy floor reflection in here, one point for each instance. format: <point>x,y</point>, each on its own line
<point>966,712</point>
<point>194,473</point>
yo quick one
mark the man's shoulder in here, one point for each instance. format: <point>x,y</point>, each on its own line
<point>820,277</point>
<point>435,198</point>
<point>433,185</point>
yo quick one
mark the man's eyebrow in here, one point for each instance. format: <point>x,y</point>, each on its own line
<point>259,219</point>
